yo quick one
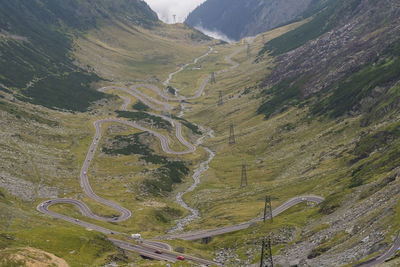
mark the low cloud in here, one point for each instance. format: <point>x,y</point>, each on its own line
<point>167,8</point>
<point>214,34</point>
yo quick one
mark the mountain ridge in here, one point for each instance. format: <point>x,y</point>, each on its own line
<point>38,65</point>
<point>237,19</point>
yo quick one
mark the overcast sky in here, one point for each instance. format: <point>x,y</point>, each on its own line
<point>167,8</point>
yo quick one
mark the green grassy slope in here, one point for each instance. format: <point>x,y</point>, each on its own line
<point>43,149</point>
<point>341,143</point>
<point>36,45</point>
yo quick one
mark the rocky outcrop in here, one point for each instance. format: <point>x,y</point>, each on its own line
<point>360,39</point>
<point>25,190</point>
<point>19,188</point>
<point>354,232</point>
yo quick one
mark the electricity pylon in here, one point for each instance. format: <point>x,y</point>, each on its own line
<point>266,253</point>
<point>213,77</point>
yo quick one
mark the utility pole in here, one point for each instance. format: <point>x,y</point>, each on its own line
<point>263,38</point>
<point>268,209</point>
<point>213,77</point>
<point>174,18</point>
<point>232,140</point>
<point>243,183</point>
<point>266,253</point>
<point>220,102</point>
<point>248,50</point>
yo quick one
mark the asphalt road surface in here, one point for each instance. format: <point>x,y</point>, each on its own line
<point>219,231</point>
<point>149,248</point>
<point>146,248</point>
<point>382,258</point>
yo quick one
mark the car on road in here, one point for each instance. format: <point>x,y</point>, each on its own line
<point>181,258</point>
<point>303,199</point>
<point>158,252</point>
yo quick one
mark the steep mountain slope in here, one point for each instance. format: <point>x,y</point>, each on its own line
<point>327,95</point>
<point>351,65</point>
<point>315,112</point>
<point>54,55</point>
<point>36,41</point>
<point>238,18</point>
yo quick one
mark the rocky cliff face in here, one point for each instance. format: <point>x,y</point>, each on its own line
<point>359,54</point>
<point>344,65</point>
<point>240,18</point>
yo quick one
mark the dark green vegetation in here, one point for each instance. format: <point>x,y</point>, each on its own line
<point>380,140</point>
<point>171,90</point>
<point>359,85</point>
<point>167,214</point>
<point>386,144</point>
<point>73,91</point>
<point>169,173</point>
<point>140,106</point>
<point>157,121</point>
<point>21,114</point>
<point>331,203</point>
<point>193,127</point>
<point>34,54</point>
<point>282,95</point>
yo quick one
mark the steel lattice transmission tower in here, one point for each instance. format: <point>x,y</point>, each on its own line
<point>213,77</point>
<point>243,182</point>
<point>220,102</point>
<point>232,140</point>
<point>268,209</point>
<point>266,253</point>
<point>174,18</point>
<point>248,50</point>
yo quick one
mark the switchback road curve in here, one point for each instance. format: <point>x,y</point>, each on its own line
<point>219,231</point>
<point>148,248</point>
<point>143,249</point>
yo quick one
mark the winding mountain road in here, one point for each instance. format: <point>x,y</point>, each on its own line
<point>382,258</point>
<point>146,248</point>
<point>149,248</point>
<point>219,231</point>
